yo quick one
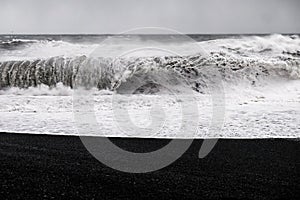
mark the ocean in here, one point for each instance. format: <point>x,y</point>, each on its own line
<point>158,86</point>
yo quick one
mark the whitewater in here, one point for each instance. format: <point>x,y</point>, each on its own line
<point>259,75</point>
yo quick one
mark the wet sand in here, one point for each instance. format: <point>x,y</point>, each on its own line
<point>51,167</point>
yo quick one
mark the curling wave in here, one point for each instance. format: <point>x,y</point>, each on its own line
<point>252,60</point>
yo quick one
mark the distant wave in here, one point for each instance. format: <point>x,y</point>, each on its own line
<point>13,44</point>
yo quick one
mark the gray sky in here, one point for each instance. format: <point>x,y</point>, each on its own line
<point>115,16</point>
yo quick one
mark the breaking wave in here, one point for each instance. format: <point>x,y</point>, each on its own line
<point>251,60</point>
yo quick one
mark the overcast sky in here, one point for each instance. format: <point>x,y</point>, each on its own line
<point>115,16</point>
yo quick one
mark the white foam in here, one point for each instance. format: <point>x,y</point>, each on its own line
<point>249,113</point>
<point>41,90</point>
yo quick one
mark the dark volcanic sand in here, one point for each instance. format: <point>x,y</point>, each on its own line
<point>48,167</point>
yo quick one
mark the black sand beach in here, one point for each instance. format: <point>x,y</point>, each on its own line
<point>52,167</point>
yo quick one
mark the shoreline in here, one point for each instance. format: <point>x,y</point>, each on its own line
<point>154,137</point>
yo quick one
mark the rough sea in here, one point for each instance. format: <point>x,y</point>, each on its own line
<point>159,86</point>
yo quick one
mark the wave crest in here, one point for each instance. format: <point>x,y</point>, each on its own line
<point>108,73</point>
